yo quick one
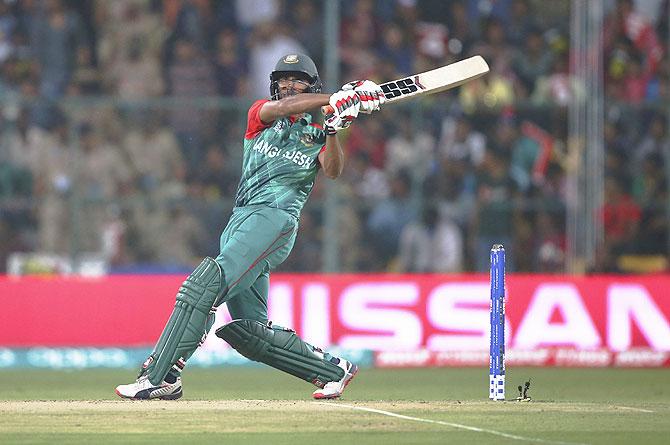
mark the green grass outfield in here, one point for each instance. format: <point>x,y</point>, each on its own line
<point>255,405</point>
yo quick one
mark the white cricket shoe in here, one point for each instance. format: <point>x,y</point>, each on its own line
<point>143,389</point>
<point>333,390</point>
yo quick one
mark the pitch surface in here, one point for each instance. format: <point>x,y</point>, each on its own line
<point>429,406</point>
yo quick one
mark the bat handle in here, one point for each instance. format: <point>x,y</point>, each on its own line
<point>327,109</point>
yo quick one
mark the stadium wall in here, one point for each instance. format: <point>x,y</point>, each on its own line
<point>385,320</point>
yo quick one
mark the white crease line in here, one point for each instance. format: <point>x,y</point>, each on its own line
<point>454,425</point>
<point>642,410</point>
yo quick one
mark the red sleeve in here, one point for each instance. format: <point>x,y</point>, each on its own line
<point>254,122</point>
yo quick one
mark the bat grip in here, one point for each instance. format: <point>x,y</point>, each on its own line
<point>327,109</point>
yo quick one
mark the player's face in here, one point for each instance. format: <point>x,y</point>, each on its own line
<point>291,85</point>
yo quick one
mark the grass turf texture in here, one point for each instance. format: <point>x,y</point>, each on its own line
<point>255,405</point>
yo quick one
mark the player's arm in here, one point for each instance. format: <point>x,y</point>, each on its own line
<point>288,106</point>
<point>366,95</point>
<point>331,157</point>
<point>346,105</point>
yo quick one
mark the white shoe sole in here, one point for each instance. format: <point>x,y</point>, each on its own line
<point>353,373</point>
<point>146,395</point>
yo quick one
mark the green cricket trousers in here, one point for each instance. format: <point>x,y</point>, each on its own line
<point>256,240</point>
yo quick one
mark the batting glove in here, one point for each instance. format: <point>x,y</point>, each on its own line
<point>371,95</point>
<point>346,104</point>
<point>335,123</point>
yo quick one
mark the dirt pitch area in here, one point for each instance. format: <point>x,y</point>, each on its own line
<point>434,406</point>
<point>300,422</point>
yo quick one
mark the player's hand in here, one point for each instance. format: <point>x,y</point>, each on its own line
<point>335,123</point>
<point>346,104</point>
<point>371,95</point>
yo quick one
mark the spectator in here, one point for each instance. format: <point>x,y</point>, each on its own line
<point>175,236</point>
<point>253,13</point>
<point>434,11</point>
<point>531,62</point>
<point>59,43</point>
<point>366,181</point>
<point>616,142</point>
<point>369,137</point>
<point>452,185</point>
<point>409,149</point>
<point>191,21</point>
<point>495,209</point>
<point>361,21</point>
<point>648,184</point>
<point>559,87</point>
<point>101,174</point>
<point>229,66</point>
<point>136,75</point>
<point>190,77</point>
<point>432,245</point>
<point>658,87</point>
<point>388,218</point>
<point>216,178</point>
<point>636,80</point>
<point>461,32</point>
<point>8,25</point>
<point>525,152</point>
<point>552,190</point>
<point>113,236</point>
<point>124,25</point>
<point>495,48</point>
<point>654,143</point>
<point>498,10</point>
<point>549,244</point>
<point>303,17</point>
<point>309,245</point>
<point>396,49</point>
<point>621,221</point>
<point>155,158</point>
<point>625,22</point>
<point>651,191</point>
<point>53,184</point>
<point>459,141</point>
<point>16,147</point>
<point>358,40</point>
<point>267,44</point>
<point>495,90</point>
<point>520,24</point>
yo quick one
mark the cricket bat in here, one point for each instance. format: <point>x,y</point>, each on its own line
<point>431,82</point>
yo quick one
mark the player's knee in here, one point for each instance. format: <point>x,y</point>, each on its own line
<point>203,286</point>
<point>250,338</point>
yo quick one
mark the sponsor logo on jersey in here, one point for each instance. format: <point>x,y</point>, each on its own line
<point>307,139</point>
<point>279,126</point>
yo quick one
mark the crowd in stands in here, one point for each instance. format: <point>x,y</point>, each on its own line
<point>145,181</point>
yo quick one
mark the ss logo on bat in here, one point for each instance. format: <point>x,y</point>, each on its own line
<point>401,87</point>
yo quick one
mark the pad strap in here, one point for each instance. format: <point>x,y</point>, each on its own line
<point>280,348</point>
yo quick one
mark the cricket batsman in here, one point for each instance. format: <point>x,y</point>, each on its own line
<point>283,152</point>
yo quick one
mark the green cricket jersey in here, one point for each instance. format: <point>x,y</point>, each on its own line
<point>280,161</point>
